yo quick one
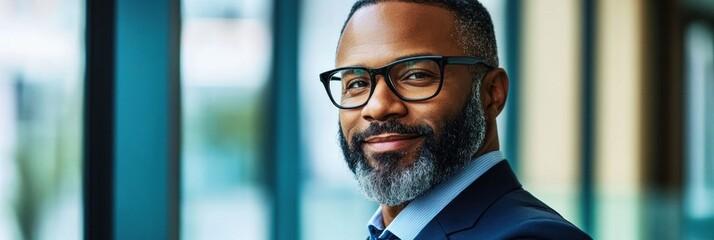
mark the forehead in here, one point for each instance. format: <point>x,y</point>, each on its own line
<point>381,33</point>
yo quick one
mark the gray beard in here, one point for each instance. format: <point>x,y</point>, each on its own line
<point>438,159</point>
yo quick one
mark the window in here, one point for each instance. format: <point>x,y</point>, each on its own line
<point>225,60</point>
<point>699,135</point>
<point>41,72</point>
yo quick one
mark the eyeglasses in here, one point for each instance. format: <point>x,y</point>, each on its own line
<point>411,79</point>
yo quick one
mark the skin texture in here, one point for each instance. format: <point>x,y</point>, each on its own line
<point>385,32</point>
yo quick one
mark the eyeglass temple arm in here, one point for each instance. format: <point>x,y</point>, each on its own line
<point>468,60</point>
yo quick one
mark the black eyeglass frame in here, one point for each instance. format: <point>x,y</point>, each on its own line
<point>384,71</point>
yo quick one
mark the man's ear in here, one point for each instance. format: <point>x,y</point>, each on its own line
<point>494,91</point>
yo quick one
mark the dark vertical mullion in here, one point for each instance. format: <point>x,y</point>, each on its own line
<point>98,158</point>
<point>283,154</point>
<point>663,169</point>
<point>513,46</point>
<point>588,101</point>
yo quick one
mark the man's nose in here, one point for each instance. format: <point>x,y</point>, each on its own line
<point>384,104</point>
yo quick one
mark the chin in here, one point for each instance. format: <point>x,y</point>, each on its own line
<point>392,161</point>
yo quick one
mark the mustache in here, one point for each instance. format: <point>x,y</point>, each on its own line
<point>377,128</point>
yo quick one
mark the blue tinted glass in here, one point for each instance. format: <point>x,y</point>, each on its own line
<point>226,49</point>
<point>699,97</point>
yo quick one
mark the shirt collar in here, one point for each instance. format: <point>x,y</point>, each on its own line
<point>422,209</point>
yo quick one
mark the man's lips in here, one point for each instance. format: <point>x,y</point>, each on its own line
<point>389,142</point>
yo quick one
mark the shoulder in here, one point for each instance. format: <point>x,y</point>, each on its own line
<point>495,206</point>
<point>519,215</point>
<point>542,229</point>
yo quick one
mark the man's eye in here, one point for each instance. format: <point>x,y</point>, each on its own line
<point>357,84</point>
<point>418,75</point>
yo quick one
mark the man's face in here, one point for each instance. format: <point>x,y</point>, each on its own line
<point>400,149</point>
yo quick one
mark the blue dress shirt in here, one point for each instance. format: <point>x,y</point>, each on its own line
<point>410,221</point>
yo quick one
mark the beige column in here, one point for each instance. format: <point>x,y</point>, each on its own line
<point>550,123</point>
<point>619,82</point>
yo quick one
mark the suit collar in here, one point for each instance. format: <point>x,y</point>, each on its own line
<point>465,210</point>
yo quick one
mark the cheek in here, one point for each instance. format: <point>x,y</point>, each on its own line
<point>451,103</point>
<point>460,96</point>
<point>348,123</point>
<point>443,107</point>
<point>457,87</point>
<point>431,113</point>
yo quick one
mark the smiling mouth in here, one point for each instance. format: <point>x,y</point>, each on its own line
<point>390,142</point>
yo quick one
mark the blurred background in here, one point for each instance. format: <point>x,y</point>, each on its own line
<point>610,118</point>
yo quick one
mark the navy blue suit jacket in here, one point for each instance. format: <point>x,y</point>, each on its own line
<point>495,206</point>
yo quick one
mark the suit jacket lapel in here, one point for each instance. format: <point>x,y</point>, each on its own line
<point>464,211</point>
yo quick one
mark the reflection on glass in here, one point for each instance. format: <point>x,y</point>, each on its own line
<point>41,68</point>
<point>225,57</point>
<point>699,97</point>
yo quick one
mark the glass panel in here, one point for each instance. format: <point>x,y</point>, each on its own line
<point>41,72</point>
<point>226,49</point>
<point>699,97</point>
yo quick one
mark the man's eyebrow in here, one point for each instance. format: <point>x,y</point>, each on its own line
<point>411,55</point>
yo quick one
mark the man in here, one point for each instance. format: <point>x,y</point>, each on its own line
<point>419,91</point>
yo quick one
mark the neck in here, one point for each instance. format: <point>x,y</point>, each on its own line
<point>391,212</point>
<point>490,142</point>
